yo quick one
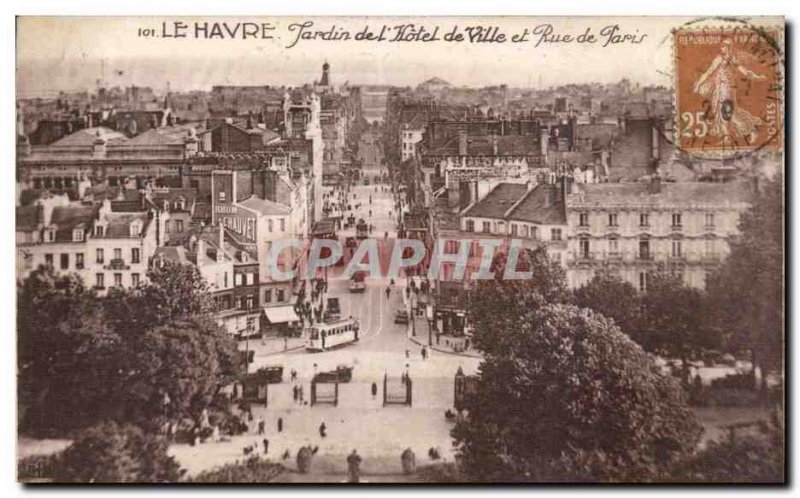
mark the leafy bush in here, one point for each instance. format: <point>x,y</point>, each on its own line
<point>253,470</point>
<point>112,453</point>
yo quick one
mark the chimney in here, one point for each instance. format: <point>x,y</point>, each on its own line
<point>544,138</point>
<point>99,146</point>
<point>191,143</point>
<point>47,203</point>
<point>201,251</point>
<point>462,142</point>
<point>654,187</point>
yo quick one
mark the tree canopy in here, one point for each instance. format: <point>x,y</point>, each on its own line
<point>568,397</point>
<point>747,290</point>
<point>134,356</point>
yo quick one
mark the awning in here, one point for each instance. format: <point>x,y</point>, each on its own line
<point>281,314</point>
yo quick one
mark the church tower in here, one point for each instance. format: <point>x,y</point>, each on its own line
<point>325,81</point>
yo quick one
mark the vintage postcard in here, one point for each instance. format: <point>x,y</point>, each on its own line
<point>400,250</point>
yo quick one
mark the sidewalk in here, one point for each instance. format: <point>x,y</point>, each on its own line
<point>267,346</point>
<point>420,324</point>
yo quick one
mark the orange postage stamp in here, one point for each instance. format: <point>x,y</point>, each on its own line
<point>728,88</point>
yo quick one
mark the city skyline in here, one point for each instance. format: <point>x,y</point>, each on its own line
<point>73,54</point>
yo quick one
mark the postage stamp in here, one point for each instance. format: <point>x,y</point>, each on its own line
<point>728,87</point>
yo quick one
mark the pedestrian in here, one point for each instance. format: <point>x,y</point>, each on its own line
<point>424,353</point>
<point>295,393</point>
<point>407,353</point>
<point>301,394</point>
<point>374,390</point>
<point>354,467</point>
<point>280,424</point>
<point>261,426</point>
<point>265,441</point>
<point>388,292</point>
<point>322,429</point>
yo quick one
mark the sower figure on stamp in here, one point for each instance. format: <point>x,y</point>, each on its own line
<point>718,84</point>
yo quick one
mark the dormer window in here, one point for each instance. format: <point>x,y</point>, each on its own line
<point>50,235</point>
<point>99,231</point>
<point>136,228</point>
<point>77,235</point>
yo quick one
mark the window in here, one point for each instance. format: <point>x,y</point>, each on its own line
<point>470,225</point>
<point>613,246</point>
<point>268,296</point>
<point>135,255</point>
<point>166,227</point>
<point>100,281</point>
<point>48,260</point>
<point>79,261</point>
<point>283,225</point>
<point>612,219</point>
<point>451,247</point>
<point>514,229</point>
<point>584,248</point>
<point>225,279</point>
<point>644,219</point>
<point>99,230</point>
<point>134,279</point>
<point>280,295</point>
<point>239,280</point>
<point>100,256</point>
<point>676,248</point>
<point>77,235</point>
<point>555,233</point>
<point>135,229</point>
<point>525,231</point>
<point>118,279</point>
<point>269,225</point>
<point>250,278</point>
<point>644,248</point>
<point>676,220</point>
<point>250,302</point>
<point>49,235</point>
<point>709,220</point>
<point>583,219</point>
<point>487,227</point>
<point>117,253</point>
<point>643,278</point>
<point>65,261</point>
<point>179,226</point>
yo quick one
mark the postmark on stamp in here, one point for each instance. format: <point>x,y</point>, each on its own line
<point>728,88</point>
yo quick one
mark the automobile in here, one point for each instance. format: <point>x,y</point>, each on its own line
<point>401,316</point>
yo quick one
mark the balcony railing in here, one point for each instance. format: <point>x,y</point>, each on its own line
<point>117,264</point>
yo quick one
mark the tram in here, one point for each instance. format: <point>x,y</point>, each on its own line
<point>327,335</point>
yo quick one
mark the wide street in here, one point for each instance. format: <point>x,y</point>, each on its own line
<point>359,420</point>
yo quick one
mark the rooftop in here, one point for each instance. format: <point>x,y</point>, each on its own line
<point>498,201</point>
<point>542,205</point>
<point>265,207</point>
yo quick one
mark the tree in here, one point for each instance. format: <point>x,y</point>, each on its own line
<point>513,297</point>
<point>112,453</point>
<point>674,319</point>
<point>750,458</point>
<point>176,355</point>
<point>63,341</point>
<point>747,290</point>
<point>136,356</point>
<point>568,397</point>
<point>613,297</point>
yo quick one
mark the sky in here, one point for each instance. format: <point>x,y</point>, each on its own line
<point>73,53</point>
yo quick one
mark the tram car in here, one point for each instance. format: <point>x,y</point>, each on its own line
<point>328,335</point>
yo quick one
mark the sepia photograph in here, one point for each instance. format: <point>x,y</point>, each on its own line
<point>400,250</point>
